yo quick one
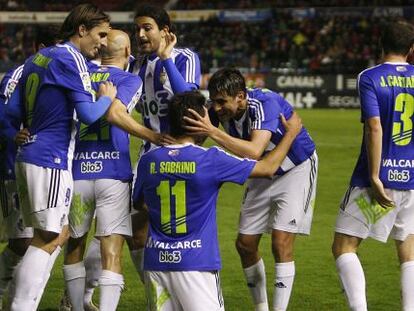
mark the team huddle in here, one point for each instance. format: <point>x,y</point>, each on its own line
<point>65,161</point>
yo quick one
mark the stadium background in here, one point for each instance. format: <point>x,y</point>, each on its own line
<point>310,52</point>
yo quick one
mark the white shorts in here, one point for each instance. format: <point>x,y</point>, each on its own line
<point>44,195</point>
<point>183,290</point>
<point>282,203</point>
<point>12,215</point>
<point>359,217</point>
<point>110,197</point>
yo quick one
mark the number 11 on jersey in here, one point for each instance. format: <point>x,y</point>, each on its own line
<point>167,194</point>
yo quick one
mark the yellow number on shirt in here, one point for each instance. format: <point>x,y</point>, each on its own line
<point>402,130</point>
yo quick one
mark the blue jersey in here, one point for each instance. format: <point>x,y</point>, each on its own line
<point>8,148</point>
<point>387,91</point>
<point>263,113</point>
<point>157,89</point>
<point>53,80</point>
<point>180,185</point>
<point>102,149</point>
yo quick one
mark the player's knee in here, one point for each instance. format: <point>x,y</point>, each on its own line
<point>64,236</point>
<point>344,244</point>
<point>110,259</point>
<point>19,246</point>
<point>336,249</point>
<point>282,250</point>
<point>47,236</point>
<point>244,248</point>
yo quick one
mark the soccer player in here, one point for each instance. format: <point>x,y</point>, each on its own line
<point>102,173</point>
<point>165,71</point>
<point>18,235</point>
<point>282,204</point>
<point>54,85</point>
<point>380,198</point>
<point>180,184</point>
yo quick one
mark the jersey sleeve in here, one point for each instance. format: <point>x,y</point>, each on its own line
<point>230,168</point>
<point>129,91</point>
<point>265,113</point>
<point>71,72</point>
<point>15,106</point>
<point>188,64</point>
<point>368,97</point>
<point>10,115</point>
<point>9,82</point>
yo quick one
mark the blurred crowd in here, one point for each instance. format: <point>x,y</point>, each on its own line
<point>319,43</point>
<point>127,5</point>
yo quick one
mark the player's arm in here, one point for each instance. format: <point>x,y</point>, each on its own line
<point>118,115</point>
<point>267,166</point>
<point>89,112</point>
<point>12,118</point>
<point>373,136</point>
<point>7,131</point>
<point>373,140</point>
<point>252,148</point>
<point>178,83</point>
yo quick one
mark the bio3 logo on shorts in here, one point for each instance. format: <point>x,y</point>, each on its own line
<point>170,257</point>
<point>91,167</point>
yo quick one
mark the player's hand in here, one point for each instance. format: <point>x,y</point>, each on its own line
<point>162,139</point>
<point>292,126</point>
<point>166,139</point>
<point>379,194</point>
<point>107,88</point>
<point>199,125</point>
<point>22,137</point>
<point>166,45</point>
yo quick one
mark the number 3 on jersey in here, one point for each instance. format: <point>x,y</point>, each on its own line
<point>402,131</point>
<point>167,194</point>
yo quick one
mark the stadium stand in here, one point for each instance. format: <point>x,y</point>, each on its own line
<point>289,40</point>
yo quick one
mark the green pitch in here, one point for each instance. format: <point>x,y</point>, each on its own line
<point>337,134</point>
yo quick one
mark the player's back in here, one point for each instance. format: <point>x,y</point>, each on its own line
<point>102,149</point>
<point>52,81</point>
<point>180,185</point>
<point>387,91</point>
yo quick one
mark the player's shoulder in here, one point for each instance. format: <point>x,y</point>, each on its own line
<point>217,152</point>
<point>67,55</point>
<point>10,80</point>
<point>262,97</point>
<point>184,53</point>
<point>371,72</point>
<point>120,76</point>
<point>150,153</point>
<point>13,74</point>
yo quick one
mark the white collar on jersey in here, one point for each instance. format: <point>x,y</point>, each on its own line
<point>396,63</point>
<point>180,145</point>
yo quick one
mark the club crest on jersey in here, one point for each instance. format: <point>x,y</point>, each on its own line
<point>401,68</point>
<point>174,152</point>
<point>163,76</point>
